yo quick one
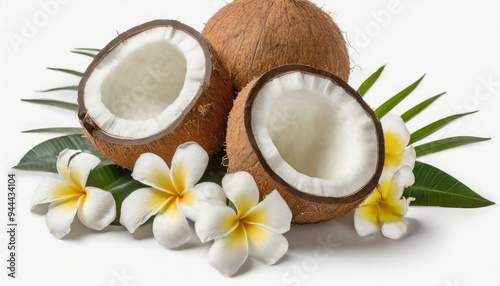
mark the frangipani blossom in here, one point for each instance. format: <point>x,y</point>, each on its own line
<point>385,207</point>
<point>172,195</point>
<point>397,151</point>
<point>253,229</point>
<point>95,208</point>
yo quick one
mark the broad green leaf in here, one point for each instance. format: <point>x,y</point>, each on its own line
<point>64,130</point>
<point>88,49</point>
<point>387,106</point>
<point>434,187</point>
<point>69,87</point>
<point>368,83</point>
<point>55,103</point>
<point>419,108</point>
<point>84,53</point>
<point>68,71</point>
<point>43,156</point>
<point>445,144</point>
<point>116,180</point>
<point>435,126</point>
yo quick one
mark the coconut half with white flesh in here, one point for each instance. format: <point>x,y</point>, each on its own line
<point>306,133</point>
<point>151,89</point>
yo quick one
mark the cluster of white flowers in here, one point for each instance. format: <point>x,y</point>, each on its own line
<point>385,208</point>
<point>174,196</point>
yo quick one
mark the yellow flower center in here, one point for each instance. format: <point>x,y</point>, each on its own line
<point>382,206</point>
<point>394,149</point>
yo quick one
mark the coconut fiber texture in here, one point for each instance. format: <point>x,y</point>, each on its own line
<point>253,36</point>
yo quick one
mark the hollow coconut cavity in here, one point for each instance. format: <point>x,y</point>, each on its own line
<point>151,89</point>
<point>251,37</point>
<point>306,133</point>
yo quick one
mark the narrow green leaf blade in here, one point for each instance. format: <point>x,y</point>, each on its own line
<point>116,180</point>
<point>84,53</point>
<point>69,87</point>
<point>68,71</point>
<point>54,103</point>
<point>387,106</point>
<point>445,144</point>
<point>435,126</point>
<point>64,130</point>
<point>88,49</point>
<point>434,187</point>
<point>368,83</point>
<point>43,156</point>
<point>412,112</point>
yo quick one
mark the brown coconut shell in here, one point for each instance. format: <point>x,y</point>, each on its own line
<point>253,36</point>
<point>204,121</point>
<point>244,154</point>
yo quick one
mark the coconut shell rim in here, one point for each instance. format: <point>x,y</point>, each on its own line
<point>362,192</point>
<point>97,131</point>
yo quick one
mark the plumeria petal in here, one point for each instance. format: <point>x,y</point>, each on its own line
<point>97,209</point>
<point>227,254</point>
<point>395,124</point>
<point>151,170</point>
<point>199,197</point>
<point>242,190</point>
<point>80,167</point>
<point>50,190</point>
<point>188,165</point>
<point>409,156</point>
<point>406,203</point>
<point>363,225</point>
<point>170,226</point>
<point>215,222</point>
<point>402,178</point>
<point>60,216</point>
<point>394,230</point>
<point>63,162</point>
<point>140,205</point>
<point>272,213</point>
<point>266,246</point>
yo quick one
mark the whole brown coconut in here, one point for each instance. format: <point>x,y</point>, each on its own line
<point>253,36</point>
<point>151,89</point>
<point>309,135</point>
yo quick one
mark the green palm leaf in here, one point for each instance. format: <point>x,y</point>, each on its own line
<point>54,103</point>
<point>84,54</point>
<point>88,49</point>
<point>435,126</point>
<point>445,144</point>
<point>419,108</point>
<point>64,130</point>
<point>368,83</point>
<point>68,71</point>
<point>387,106</point>
<point>69,87</point>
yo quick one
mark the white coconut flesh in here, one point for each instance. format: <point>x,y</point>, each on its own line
<point>314,135</point>
<point>145,83</point>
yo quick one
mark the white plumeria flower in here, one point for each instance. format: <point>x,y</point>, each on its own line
<point>397,151</point>
<point>254,229</point>
<point>385,207</point>
<point>95,208</point>
<point>172,195</point>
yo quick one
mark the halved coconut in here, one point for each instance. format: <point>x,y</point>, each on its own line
<point>151,89</point>
<point>309,135</point>
<point>251,37</point>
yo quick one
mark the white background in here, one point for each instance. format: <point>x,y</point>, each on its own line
<point>455,42</point>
